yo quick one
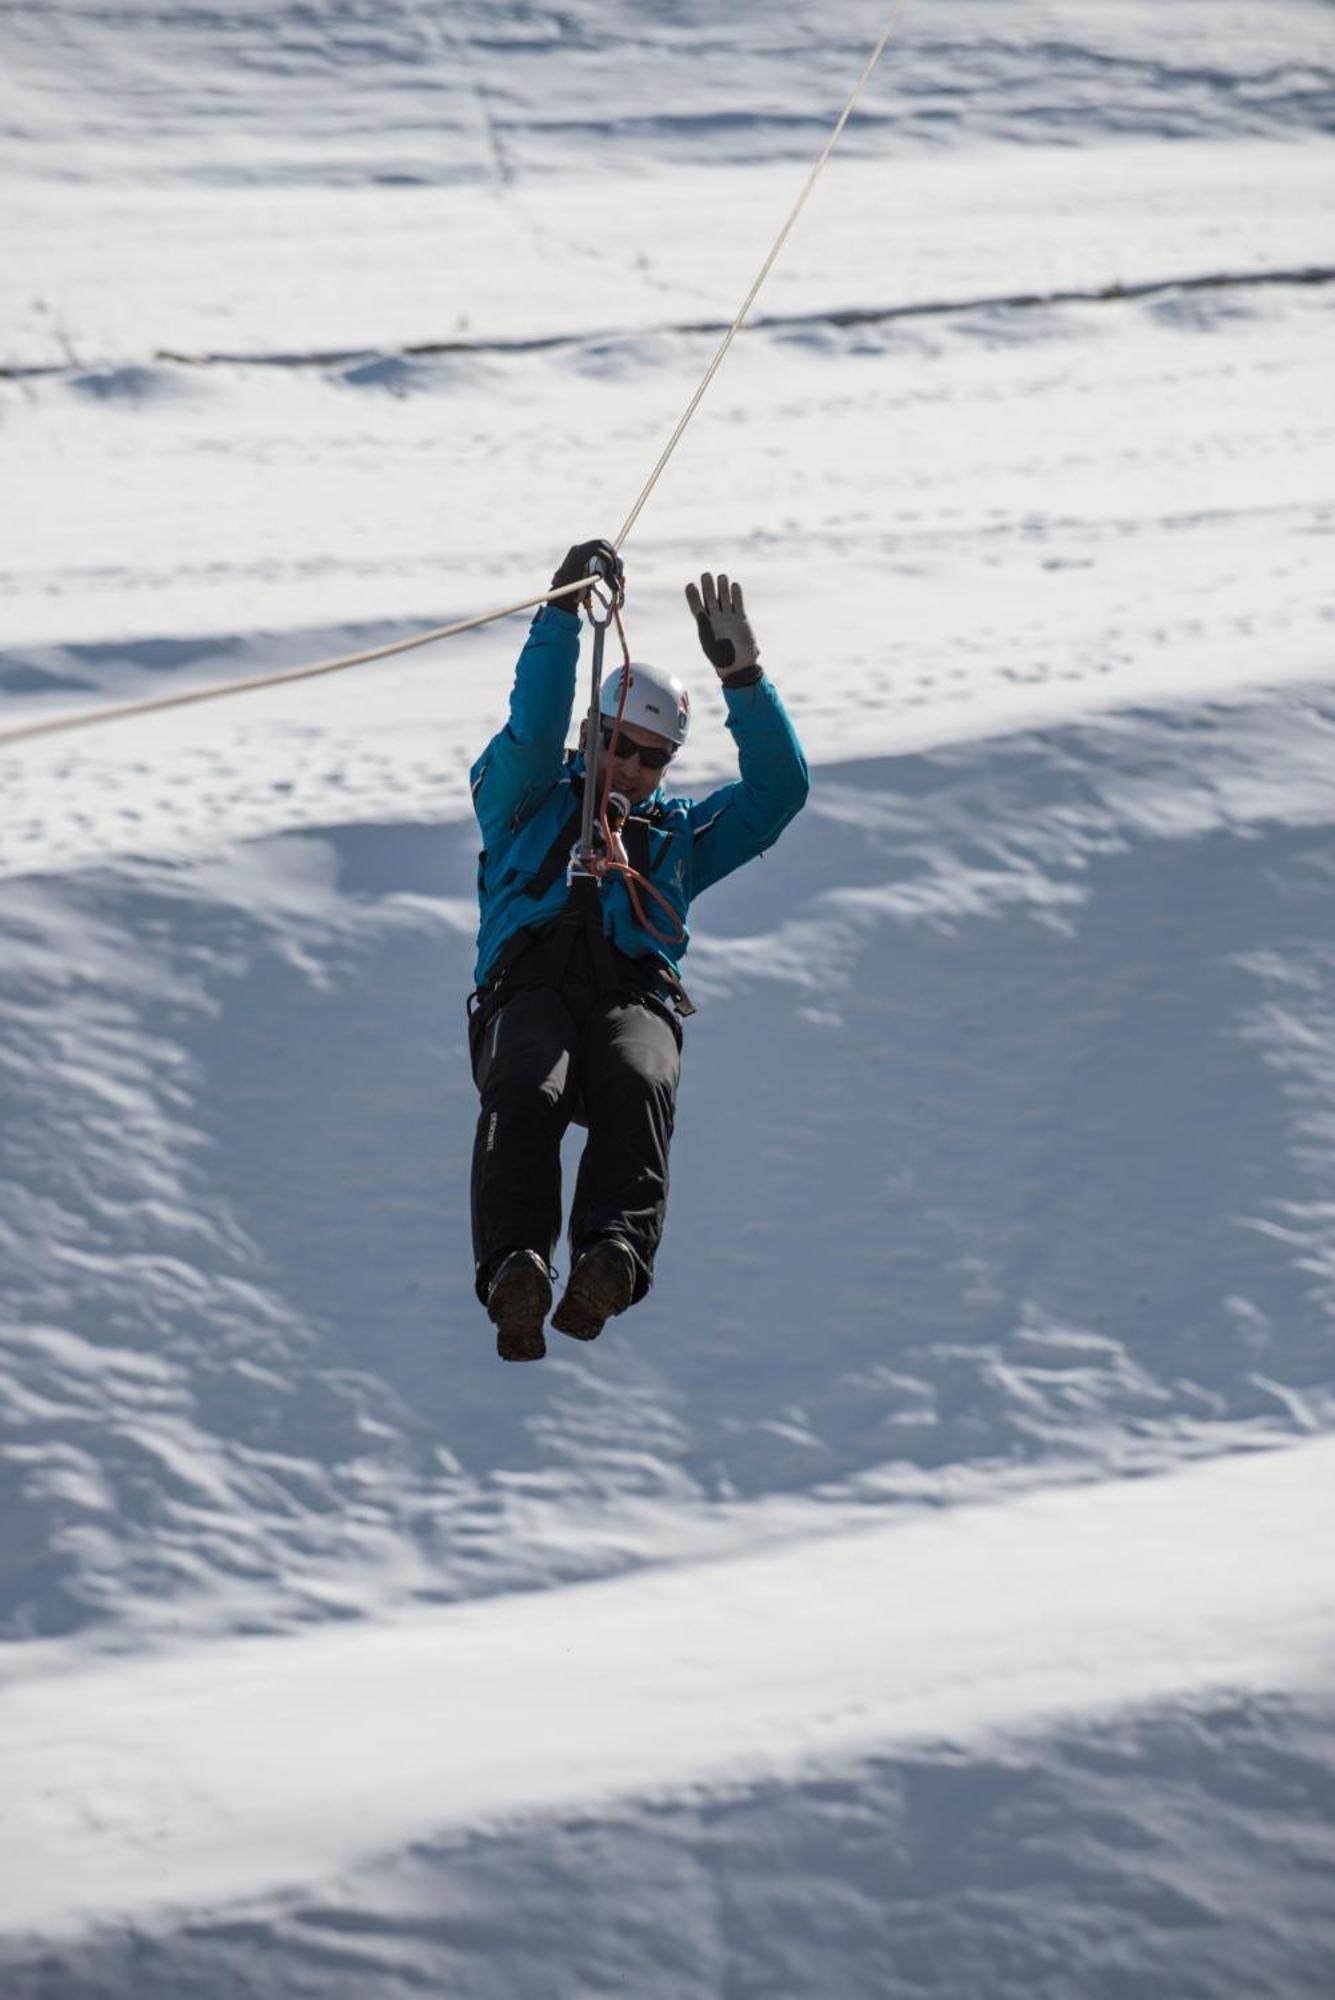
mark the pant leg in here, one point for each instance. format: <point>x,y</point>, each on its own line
<point>524,1068</point>
<point>629,1067</point>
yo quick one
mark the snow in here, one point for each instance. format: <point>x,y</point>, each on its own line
<point>201,267</point>
<point>211,1773</point>
<point>926,1589</point>
<point>978,552</point>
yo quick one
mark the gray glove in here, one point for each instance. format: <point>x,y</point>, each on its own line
<point>725,631</point>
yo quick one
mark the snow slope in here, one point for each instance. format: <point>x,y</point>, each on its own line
<point>1181,1847</point>
<point>202,1771</point>
<point>1003,1172</point>
<point>1052,1019</point>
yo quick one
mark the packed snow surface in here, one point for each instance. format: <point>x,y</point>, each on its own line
<point>926,1590</point>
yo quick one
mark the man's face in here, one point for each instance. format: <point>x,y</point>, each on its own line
<point>637,780</point>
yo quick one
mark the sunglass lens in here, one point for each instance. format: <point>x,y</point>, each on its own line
<point>625,747</point>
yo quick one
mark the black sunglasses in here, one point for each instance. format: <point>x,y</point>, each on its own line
<point>625,747</point>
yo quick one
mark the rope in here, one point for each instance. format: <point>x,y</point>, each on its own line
<point>761,275</point>
<point>154,704</point>
<point>158,704</point>
<point>614,860</point>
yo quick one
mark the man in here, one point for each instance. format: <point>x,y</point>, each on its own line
<point>576,1012</point>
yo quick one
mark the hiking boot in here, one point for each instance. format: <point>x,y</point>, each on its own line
<point>518,1300</point>
<point>602,1284</point>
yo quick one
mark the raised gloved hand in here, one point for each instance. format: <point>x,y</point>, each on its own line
<point>725,630</point>
<point>578,562</point>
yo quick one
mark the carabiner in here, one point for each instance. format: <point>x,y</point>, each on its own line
<point>603,599</point>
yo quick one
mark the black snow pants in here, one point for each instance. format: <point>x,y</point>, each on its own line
<point>543,1056</point>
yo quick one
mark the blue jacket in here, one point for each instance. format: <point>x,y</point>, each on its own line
<point>523,795</point>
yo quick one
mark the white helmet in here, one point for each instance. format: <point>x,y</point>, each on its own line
<point>656,701</point>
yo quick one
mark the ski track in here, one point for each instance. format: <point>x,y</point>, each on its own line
<point>834,318</point>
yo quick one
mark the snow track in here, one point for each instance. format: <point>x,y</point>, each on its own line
<point>198,270</point>
<point>964,546</point>
<point>1115,293</point>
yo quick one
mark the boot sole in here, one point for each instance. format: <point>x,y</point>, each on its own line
<point>599,1290</point>
<point>517,1308</point>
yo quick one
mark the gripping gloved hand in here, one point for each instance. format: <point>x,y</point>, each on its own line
<point>578,562</point>
<point>725,630</point>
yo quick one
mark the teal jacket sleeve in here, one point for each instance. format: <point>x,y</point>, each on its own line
<point>520,764</point>
<point>739,821</point>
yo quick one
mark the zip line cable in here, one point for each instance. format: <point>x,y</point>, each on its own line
<point>153,704</point>
<point>156,704</point>
<point>761,274</point>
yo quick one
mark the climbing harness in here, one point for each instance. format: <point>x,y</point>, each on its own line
<point>122,711</point>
